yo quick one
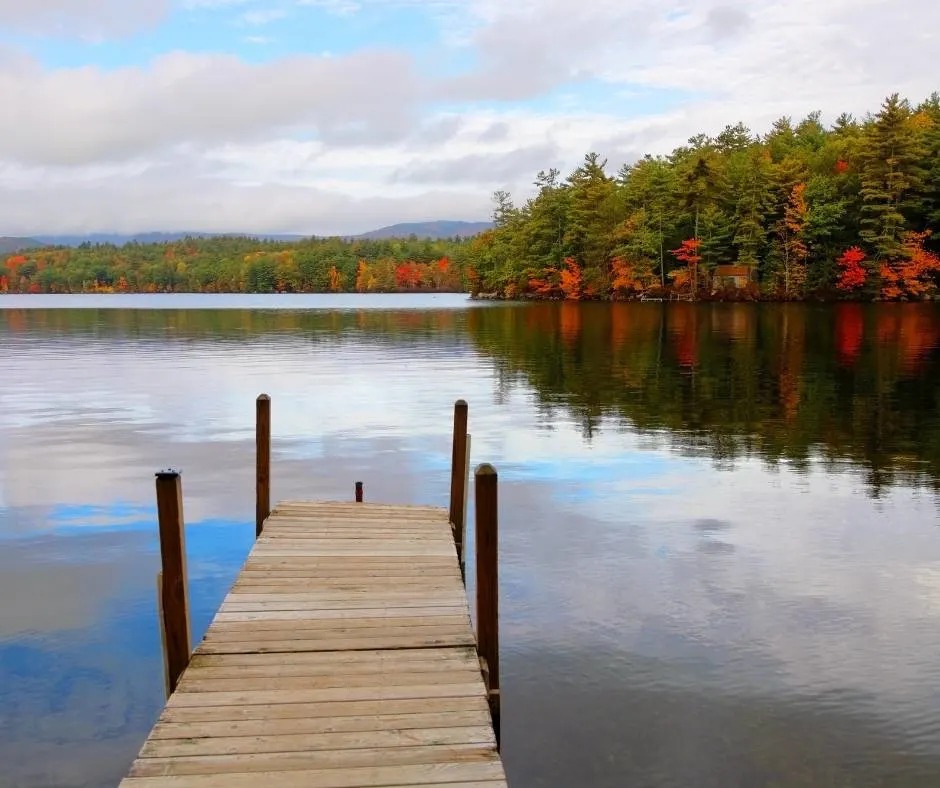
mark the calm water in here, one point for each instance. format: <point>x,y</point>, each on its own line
<point>720,546</point>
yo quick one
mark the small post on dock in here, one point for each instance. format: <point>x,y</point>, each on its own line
<point>458,476</point>
<point>358,492</point>
<point>262,462</point>
<point>172,584</point>
<point>487,560</point>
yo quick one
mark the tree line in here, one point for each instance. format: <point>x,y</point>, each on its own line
<point>242,265</point>
<point>803,211</point>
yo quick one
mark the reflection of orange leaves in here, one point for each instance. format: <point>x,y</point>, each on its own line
<point>619,324</point>
<point>850,330</point>
<point>919,333</point>
<point>570,322</point>
<point>789,393</point>
<point>682,318</point>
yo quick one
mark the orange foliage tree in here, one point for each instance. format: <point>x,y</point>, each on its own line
<point>624,279</point>
<point>365,278</point>
<point>794,248</point>
<point>852,274</point>
<point>571,281</point>
<point>336,280</point>
<point>914,274</point>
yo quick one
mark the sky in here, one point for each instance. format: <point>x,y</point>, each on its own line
<point>340,116</point>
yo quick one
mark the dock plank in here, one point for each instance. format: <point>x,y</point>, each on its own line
<point>343,657</point>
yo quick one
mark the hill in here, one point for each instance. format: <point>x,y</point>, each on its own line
<point>435,230</point>
<point>9,244</point>
<point>150,238</point>
<point>438,229</point>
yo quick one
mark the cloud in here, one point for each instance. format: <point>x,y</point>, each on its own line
<point>201,99</point>
<point>480,103</point>
<point>95,19</point>
<point>262,16</point>
<point>483,168</point>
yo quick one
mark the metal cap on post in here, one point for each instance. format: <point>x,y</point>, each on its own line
<point>262,462</point>
<point>172,583</point>
<point>487,561</point>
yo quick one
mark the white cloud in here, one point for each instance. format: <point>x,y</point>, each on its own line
<point>262,16</point>
<point>80,18</point>
<point>363,131</point>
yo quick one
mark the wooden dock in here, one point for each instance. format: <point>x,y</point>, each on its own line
<point>343,656</point>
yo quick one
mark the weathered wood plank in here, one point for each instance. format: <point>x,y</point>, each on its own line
<point>274,726</point>
<point>310,742</point>
<point>355,777</point>
<point>333,710</point>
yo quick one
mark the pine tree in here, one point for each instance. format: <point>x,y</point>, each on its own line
<point>890,173</point>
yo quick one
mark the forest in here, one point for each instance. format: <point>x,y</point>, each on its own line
<point>801,212</point>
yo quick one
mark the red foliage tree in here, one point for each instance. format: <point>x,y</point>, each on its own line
<point>408,275</point>
<point>688,253</point>
<point>853,272</point>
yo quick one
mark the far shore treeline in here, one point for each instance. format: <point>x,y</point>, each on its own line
<point>802,212</point>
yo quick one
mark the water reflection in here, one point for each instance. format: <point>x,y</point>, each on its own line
<point>699,587</point>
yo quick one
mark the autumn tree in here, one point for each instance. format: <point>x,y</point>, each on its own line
<point>792,247</point>
<point>852,271</point>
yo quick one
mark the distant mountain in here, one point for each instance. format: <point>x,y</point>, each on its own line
<point>9,244</point>
<point>439,229</point>
<point>151,238</point>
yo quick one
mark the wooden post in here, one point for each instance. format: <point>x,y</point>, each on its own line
<point>262,462</point>
<point>462,556</point>
<point>458,475</point>
<point>174,596</point>
<point>487,547</point>
<point>162,622</point>
<point>358,492</point>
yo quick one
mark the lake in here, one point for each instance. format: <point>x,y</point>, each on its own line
<point>720,555</point>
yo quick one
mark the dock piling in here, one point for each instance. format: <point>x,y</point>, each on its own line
<point>458,476</point>
<point>172,583</point>
<point>263,462</point>
<point>487,562</point>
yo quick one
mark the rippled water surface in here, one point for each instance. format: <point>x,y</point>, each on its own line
<point>720,548</point>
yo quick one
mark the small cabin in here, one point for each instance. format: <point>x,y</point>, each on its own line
<point>732,277</point>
